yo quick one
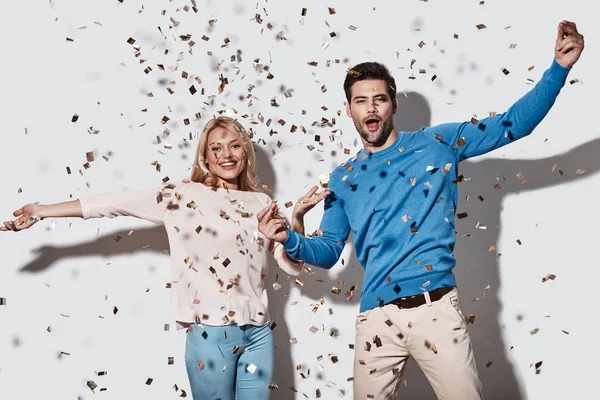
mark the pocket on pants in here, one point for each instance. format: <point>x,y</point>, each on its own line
<point>452,299</point>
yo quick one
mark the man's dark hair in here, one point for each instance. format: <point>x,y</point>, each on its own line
<point>370,71</point>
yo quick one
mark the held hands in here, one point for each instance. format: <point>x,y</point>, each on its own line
<point>271,224</point>
<point>27,215</point>
<point>569,44</point>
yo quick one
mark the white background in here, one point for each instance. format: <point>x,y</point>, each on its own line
<point>62,280</point>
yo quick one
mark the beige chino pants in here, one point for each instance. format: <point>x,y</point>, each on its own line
<point>435,334</point>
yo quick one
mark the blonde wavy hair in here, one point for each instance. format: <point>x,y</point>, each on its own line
<point>248,181</point>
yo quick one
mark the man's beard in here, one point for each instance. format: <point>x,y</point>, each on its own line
<point>385,131</point>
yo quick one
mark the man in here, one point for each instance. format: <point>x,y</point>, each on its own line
<point>398,196</point>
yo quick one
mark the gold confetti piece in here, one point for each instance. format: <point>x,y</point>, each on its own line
<point>89,156</point>
<point>519,242</point>
<point>470,319</point>
<point>131,40</point>
<point>565,332</point>
<point>304,10</point>
<point>491,248</point>
<point>377,341</point>
<point>413,181</point>
<point>580,171</point>
<point>149,381</point>
<point>505,71</point>
<point>462,215</point>
<point>480,26</point>
<point>512,46</point>
<point>429,267</point>
<point>461,142</point>
<point>534,331</point>
<point>115,310</point>
<point>531,68</point>
<point>548,277</point>
<point>92,385</point>
<point>331,10</point>
<point>572,81</point>
<point>409,324</point>
<point>313,329</point>
<point>201,365</point>
<point>2,301</point>
<point>489,364</point>
<point>73,119</point>
<point>170,360</point>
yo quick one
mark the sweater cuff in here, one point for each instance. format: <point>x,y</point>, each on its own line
<point>85,208</point>
<point>292,244</point>
<point>558,72</point>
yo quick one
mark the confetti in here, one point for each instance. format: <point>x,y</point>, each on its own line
<point>548,277</point>
<point>92,385</point>
<point>251,368</point>
<point>534,331</point>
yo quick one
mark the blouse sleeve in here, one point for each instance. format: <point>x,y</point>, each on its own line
<point>288,265</point>
<point>152,204</point>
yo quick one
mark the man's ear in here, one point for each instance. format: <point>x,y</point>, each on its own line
<point>395,105</point>
<point>348,110</point>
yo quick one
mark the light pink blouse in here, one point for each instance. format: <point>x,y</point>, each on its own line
<point>218,257</point>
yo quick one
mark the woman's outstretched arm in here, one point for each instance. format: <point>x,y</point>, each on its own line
<point>31,213</point>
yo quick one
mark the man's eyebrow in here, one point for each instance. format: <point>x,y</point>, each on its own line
<point>375,95</point>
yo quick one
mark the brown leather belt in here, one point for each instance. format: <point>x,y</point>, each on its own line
<point>419,299</point>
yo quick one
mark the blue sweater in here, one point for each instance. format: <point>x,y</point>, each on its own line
<point>400,203</point>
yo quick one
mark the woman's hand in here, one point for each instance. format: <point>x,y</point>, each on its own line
<point>27,215</point>
<point>271,224</point>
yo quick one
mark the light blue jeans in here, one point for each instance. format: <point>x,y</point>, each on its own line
<point>229,362</point>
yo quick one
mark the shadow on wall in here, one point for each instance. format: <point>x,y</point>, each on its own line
<point>476,267</point>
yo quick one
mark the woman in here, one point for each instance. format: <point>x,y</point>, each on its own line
<point>218,259</point>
